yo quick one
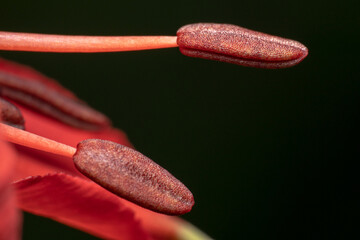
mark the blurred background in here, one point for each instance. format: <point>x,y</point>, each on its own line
<point>266,153</point>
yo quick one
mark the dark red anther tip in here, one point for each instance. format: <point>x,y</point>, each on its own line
<point>131,175</point>
<point>11,115</point>
<point>234,44</point>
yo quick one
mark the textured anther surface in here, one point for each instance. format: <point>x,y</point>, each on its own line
<point>234,44</point>
<point>133,176</point>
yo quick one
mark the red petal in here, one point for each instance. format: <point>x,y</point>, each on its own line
<point>78,203</point>
<point>29,73</point>
<point>55,130</point>
<point>10,217</point>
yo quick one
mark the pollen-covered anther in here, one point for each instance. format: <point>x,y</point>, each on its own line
<point>237,45</point>
<point>131,175</point>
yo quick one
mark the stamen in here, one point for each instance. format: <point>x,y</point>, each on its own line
<point>119,169</point>
<point>221,42</point>
<point>12,41</point>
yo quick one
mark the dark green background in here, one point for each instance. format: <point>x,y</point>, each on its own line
<point>266,153</point>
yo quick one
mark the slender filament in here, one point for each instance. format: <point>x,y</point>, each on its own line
<point>13,41</point>
<point>31,140</point>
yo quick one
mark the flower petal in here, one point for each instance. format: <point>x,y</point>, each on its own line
<point>10,220</point>
<point>47,127</point>
<point>24,71</point>
<point>79,203</point>
<point>47,97</point>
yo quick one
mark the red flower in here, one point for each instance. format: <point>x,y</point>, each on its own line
<point>49,185</point>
